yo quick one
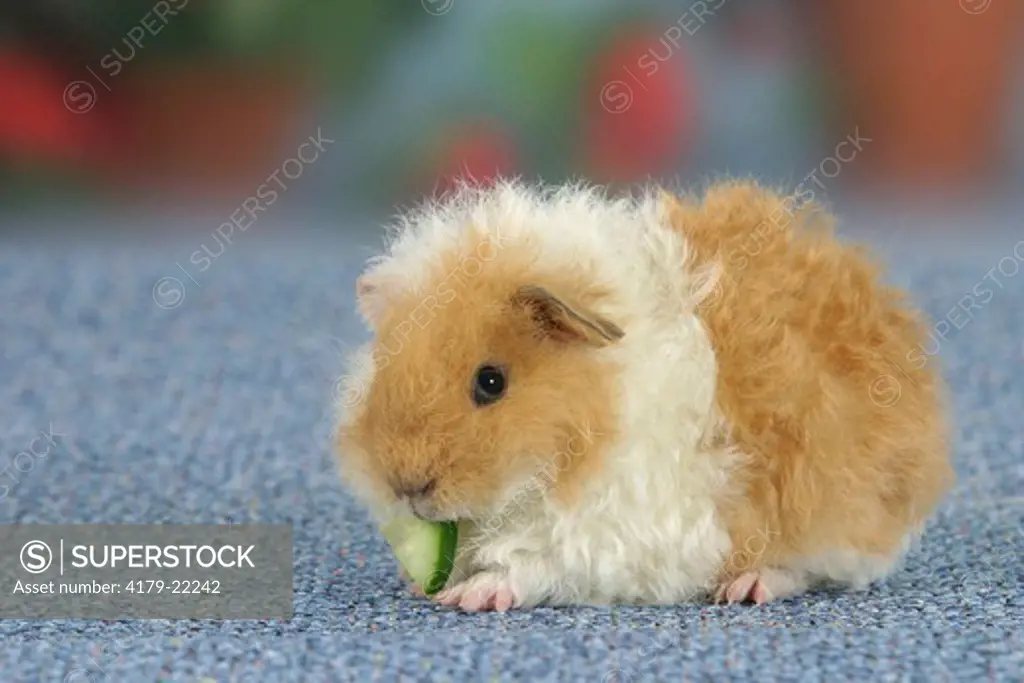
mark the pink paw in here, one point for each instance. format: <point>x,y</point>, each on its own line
<point>760,586</point>
<point>480,593</point>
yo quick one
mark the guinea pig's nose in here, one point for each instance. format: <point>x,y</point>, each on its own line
<point>414,492</point>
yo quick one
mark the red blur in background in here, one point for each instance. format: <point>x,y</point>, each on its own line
<point>930,85</point>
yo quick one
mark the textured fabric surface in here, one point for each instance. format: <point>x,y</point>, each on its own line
<point>218,409</point>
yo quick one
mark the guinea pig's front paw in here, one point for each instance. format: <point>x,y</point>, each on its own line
<point>488,590</point>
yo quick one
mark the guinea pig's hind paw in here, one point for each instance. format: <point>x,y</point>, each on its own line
<point>480,593</point>
<point>760,586</point>
<point>736,590</point>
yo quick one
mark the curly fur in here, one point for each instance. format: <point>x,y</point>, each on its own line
<point>689,394</point>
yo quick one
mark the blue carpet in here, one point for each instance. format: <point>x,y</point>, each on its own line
<point>218,410</point>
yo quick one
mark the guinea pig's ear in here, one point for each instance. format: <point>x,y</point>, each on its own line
<point>371,298</point>
<point>560,321</point>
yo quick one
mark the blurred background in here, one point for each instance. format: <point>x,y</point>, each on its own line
<point>195,105</point>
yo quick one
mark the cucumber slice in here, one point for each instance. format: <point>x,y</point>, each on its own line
<point>426,550</point>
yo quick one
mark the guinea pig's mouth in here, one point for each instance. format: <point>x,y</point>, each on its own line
<point>429,504</point>
<point>425,509</point>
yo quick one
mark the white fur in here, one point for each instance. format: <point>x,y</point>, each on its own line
<point>645,529</point>
<point>855,568</point>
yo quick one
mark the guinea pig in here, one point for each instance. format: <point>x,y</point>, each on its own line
<point>646,399</point>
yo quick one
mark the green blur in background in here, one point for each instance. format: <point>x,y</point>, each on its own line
<point>190,100</point>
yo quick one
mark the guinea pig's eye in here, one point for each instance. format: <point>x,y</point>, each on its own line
<point>489,384</point>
